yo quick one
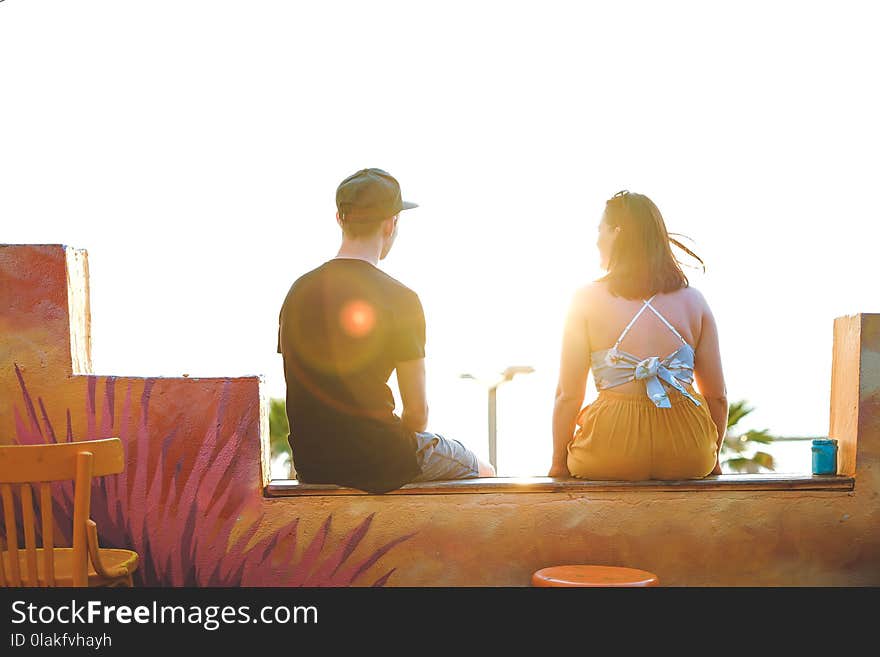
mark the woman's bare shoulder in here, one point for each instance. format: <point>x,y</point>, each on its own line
<point>694,298</point>
<point>587,295</point>
<point>698,311</point>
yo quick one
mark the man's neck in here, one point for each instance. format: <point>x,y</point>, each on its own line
<point>360,250</point>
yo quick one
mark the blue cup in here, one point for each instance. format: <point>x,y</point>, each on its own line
<point>824,456</point>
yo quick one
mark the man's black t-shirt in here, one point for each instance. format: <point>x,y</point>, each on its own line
<point>342,330</point>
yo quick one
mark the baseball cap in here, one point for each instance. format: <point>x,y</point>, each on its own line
<point>370,194</point>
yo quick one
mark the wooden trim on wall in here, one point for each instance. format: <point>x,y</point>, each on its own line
<point>844,416</point>
<point>731,482</point>
<point>79,310</point>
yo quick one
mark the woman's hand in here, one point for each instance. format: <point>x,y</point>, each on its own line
<point>717,469</point>
<point>559,470</point>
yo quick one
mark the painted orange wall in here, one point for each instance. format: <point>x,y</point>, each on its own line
<point>190,500</point>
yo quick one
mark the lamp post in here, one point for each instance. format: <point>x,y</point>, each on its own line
<point>506,375</point>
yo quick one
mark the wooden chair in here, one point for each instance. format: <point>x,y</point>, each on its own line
<point>84,564</point>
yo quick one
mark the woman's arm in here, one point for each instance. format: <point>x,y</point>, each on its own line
<point>709,376</point>
<point>573,369</point>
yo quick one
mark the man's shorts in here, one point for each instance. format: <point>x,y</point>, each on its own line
<point>441,458</point>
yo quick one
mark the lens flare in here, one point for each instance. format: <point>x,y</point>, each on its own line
<point>357,318</point>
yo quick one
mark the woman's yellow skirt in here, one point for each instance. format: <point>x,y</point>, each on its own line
<point>623,436</point>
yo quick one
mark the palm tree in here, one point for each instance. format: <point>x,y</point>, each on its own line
<point>735,446</point>
<point>280,456</point>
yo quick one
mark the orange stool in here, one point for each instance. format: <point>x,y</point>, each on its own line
<point>593,576</point>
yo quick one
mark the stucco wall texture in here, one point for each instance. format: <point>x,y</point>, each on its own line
<point>190,500</point>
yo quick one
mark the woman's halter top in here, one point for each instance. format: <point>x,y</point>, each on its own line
<point>613,367</point>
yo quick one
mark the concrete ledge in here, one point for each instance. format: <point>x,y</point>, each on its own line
<point>737,482</point>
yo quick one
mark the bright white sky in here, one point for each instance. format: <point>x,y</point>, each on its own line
<point>193,148</point>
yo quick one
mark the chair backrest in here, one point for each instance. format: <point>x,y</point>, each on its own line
<point>24,466</point>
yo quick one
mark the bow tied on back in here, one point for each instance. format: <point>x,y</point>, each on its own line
<point>653,371</point>
<point>648,368</point>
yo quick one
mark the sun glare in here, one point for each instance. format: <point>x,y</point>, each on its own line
<point>357,318</point>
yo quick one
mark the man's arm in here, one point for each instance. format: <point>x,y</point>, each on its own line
<point>411,382</point>
<point>409,357</point>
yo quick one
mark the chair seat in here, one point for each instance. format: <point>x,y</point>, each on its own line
<point>589,576</point>
<point>110,557</point>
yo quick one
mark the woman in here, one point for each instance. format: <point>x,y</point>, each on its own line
<point>648,421</point>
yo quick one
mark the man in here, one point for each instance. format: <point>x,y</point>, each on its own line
<point>343,328</point>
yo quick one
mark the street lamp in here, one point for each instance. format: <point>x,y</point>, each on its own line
<point>506,375</point>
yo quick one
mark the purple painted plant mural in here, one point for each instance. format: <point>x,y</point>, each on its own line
<point>179,511</point>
